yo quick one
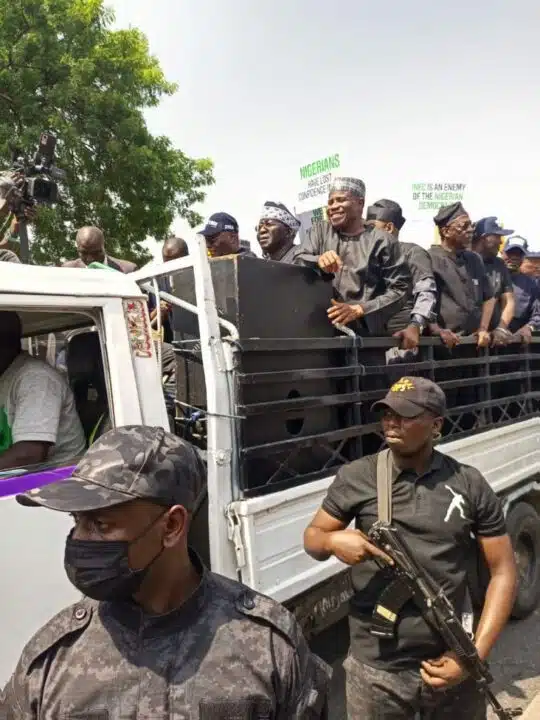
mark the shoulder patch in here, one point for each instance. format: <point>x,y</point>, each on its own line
<point>72,619</point>
<point>259,607</point>
<point>265,610</point>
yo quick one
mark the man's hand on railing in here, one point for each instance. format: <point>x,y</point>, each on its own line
<point>483,338</point>
<point>524,334</point>
<point>409,337</point>
<point>501,336</point>
<point>449,338</point>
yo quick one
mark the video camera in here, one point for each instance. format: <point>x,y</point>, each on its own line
<point>40,175</point>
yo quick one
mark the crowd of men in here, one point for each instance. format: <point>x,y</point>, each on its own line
<point>136,490</point>
<point>480,280</point>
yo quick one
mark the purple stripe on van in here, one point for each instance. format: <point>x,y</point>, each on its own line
<point>22,483</point>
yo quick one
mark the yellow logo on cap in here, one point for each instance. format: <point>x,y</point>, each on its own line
<point>402,385</point>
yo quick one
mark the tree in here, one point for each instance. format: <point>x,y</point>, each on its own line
<point>63,69</point>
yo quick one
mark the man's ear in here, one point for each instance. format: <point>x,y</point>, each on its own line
<point>177,526</point>
<point>437,425</point>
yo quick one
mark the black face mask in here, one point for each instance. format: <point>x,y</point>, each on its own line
<point>100,569</point>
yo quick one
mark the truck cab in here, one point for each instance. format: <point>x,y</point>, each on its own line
<point>275,399</point>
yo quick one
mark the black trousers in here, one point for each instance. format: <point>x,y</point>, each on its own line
<point>375,694</point>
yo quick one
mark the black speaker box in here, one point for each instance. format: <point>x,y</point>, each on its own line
<point>266,300</point>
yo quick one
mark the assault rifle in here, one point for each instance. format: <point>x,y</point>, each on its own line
<point>411,581</point>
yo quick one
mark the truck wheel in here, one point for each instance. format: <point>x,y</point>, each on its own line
<point>524,529</point>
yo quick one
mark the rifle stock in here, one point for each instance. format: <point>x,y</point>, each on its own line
<point>436,609</point>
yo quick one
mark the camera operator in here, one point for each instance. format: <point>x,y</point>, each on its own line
<point>11,191</point>
<point>8,192</point>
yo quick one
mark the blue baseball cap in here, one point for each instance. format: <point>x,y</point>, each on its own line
<point>490,226</point>
<point>516,242</point>
<point>218,223</point>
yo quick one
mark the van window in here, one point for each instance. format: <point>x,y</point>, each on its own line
<point>54,397</point>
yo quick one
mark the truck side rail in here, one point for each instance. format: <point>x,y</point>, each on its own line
<point>485,388</point>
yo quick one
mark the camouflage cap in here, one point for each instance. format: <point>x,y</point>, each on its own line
<point>411,396</point>
<point>127,463</point>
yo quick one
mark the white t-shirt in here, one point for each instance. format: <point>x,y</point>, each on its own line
<point>36,404</point>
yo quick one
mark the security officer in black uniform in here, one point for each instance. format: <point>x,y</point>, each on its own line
<point>156,635</point>
<point>439,505</point>
<point>527,295</point>
<point>487,239</point>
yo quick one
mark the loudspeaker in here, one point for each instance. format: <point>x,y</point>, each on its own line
<point>267,300</point>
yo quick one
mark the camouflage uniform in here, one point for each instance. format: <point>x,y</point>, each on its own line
<point>227,653</point>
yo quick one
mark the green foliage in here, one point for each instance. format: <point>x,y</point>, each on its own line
<point>63,69</point>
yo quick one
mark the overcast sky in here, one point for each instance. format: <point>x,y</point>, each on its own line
<point>406,91</point>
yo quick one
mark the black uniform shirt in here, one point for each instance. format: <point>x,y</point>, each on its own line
<point>436,512</point>
<point>527,297</point>
<point>463,286</point>
<point>501,283</point>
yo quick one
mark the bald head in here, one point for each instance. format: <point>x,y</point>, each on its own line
<point>174,248</point>
<point>90,245</point>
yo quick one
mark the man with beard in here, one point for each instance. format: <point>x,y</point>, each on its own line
<point>276,232</point>
<point>466,299</point>
<point>410,322</point>
<point>486,242</point>
<point>527,301</point>
<point>371,280</point>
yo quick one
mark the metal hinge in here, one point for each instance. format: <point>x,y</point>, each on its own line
<point>235,536</point>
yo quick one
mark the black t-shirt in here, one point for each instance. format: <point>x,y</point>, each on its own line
<point>463,286</point>
<point>437,513</point>
<point>500,280</point>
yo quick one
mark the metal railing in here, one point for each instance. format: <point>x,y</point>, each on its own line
<point>302,423</point>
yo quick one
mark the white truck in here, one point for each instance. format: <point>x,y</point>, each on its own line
<point>275,399</point>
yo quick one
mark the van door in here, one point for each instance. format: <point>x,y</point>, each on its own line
<point>88,346</point>
<point>211,431</point>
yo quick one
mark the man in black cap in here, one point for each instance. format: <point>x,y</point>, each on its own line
<point>465,296</point>
<point>412,320</point>
<point>222,238</point>
<point>486,242</point>
<point>526,292</point>
<point>156,634</point>
<point>370,278</point>
<point>276,231</point>
<point>444,510</point>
